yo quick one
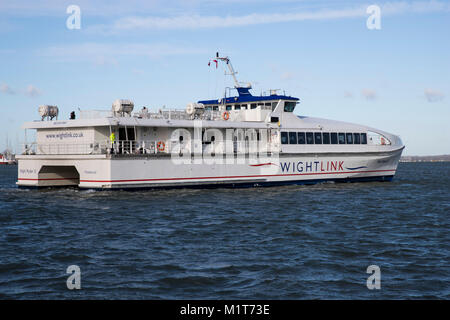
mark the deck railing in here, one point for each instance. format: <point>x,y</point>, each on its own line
<point>132,147</point>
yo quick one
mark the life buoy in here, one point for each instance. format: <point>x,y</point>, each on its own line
<point>161,146</point>
<point>226,115</point>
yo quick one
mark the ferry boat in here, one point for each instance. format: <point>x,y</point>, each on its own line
<point>240,140</point>
<point>3,160</point>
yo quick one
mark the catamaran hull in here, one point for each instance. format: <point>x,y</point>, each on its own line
<point>122,172</point>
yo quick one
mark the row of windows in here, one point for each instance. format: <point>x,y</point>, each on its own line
<point>323,138</point>
<point>245,106</point>
<point>289,106</point>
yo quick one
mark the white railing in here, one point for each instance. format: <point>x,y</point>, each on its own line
<point>131,147</point>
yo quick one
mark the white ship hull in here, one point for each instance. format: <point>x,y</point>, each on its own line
<point>98,172</point>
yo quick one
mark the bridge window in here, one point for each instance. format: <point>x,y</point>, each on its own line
<point>309,138</point>
<point>318,137</point>
<point>326,138</point>
<point>356,138</point>
<point>301,138</point>
<point>334,138</point>
<point>349,138</point>
<point>363,138</point>
<point>289,106</point>
<point>292,137</point>
<point>284,138</point>
<point>341,138</point>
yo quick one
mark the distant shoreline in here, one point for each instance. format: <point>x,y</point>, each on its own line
<point>440,158</point>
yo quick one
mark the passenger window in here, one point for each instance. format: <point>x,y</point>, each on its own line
<point>215,108</point>
<point>356,138</point>
<point>207,108</point>
<point>363,138</point>
<point>284,138</point>
<point>334,138</point>
<point>237,107</point>
<point>301,138</point>
<point>244,106</point>
<point>341,138</point>
<point>228,107</point>
<point>292,137</point>
<point>274,105</point>
<point>349,138</point>
<point>309,138</point>
<point>318,137</point>
<point>326,138</point>
<point>253,106</point>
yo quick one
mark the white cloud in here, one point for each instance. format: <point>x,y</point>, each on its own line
<point>434,95</point>
<point>32,91</point>
<point>287,75</point>
<point>369,94</point>
<point>4,88</point>
<point>196,21</point>
<point>108,53</point>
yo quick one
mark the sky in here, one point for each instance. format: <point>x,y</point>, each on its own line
<point>395,78</point>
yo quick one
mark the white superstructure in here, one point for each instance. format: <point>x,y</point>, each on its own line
<point>243,140</point>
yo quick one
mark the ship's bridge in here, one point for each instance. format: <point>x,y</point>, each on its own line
<point>246,101</point>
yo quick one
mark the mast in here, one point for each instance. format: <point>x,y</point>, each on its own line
<point>233,73</point>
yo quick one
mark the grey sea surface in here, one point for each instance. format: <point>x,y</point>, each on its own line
<point>294,242</point>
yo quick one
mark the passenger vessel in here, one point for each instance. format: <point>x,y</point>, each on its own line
<point>239,140</point>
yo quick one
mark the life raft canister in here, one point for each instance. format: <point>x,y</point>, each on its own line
<point>161,146</point>
<point>226,115</point>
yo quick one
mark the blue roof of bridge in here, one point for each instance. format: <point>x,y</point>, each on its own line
<point>246,96</point>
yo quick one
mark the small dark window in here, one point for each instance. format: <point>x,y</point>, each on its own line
<point>237,107</point>
<point>326,138</point>
<point>213,138</point>
<point>334,138</point>
<point>274,105</point>
<point>363,138</point>
<point>215,108</point>
<point>253,106</point>
<point>318,137</point>
<point>357,138</point>
<point>301,138</point>
<point>284,138</point>
<point>349,138</point>
<point>228,107</point>
<point>292,137</point>
<point>341,138</point>
<point>274,119</point>
<point>289,106</point>
<point>181,138</point>
<point>309,138</point>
